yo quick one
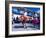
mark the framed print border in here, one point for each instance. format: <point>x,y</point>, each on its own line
<point>7,18</point>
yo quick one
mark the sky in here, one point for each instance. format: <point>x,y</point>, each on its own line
<point>15,10</point>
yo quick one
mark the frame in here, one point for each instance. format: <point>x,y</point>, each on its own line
<point>29,11</point>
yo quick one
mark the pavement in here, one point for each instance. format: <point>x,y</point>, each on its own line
<point>20,27</point>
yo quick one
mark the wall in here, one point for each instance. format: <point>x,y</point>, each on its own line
<point>2,20</point>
